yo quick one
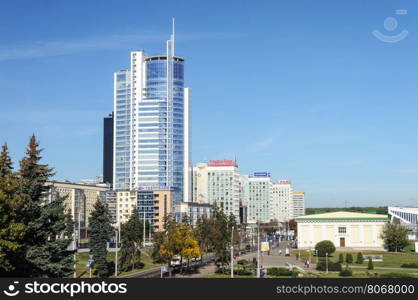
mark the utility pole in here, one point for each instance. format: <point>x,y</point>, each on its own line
<point>258,249</point>
<point>143,235</point>
<point>116,249</point>
<point>75,254</point>
<point>326,260</point>
<point>232,252</point>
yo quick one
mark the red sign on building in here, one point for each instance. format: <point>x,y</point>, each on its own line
<point>222,163</point>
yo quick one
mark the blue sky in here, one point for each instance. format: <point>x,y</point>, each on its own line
<point>301,89</point>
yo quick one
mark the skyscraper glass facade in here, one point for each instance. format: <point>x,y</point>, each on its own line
<point>151,124</point>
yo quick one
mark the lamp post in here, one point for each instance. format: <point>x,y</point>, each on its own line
<point>117,231</point>
<point>258,250</point>
<point>232,252</point>
<point>326,262</point>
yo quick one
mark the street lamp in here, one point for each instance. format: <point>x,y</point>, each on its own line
<point>258,249</point>
<point>232,252</point>
<point>326,262</point>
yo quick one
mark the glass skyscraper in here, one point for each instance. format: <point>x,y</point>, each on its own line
<point>151,126</point>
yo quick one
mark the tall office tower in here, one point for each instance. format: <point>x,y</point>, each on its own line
<point>152,112</point>
<point>281,208</point>
<point>298,204</point>
<point>218,182</point>
<point>108,149</point>
<point>260,195</point>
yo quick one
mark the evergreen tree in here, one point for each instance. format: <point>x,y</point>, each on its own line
<point>370,264</point>
<point>360,258</point>
<point>48,227</point>
<point>341,258</point>
<point>220,236</point>
<point>349,258</point>
<point>100,232</point>
<point>12,231</point>
<point>131,239</point>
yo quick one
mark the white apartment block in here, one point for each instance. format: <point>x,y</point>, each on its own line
<point>281,208</point>
<point>298,204</point>
<point>260,198</point>
<point>218,182</point>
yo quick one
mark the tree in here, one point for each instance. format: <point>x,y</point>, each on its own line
<point>48,227</point>
<point>349,258</point>
<point>220,237</point>
<point>100,232</point>
<point>370,264</point>
<point>172,243</point>
<point>360,258</point>
<point>395,236</point>
<point>341,258</point>
<point>324,247</point>
<point>131,239</point>
<point>12,231</point>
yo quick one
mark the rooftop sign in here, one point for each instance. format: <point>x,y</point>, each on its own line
<point>222,163</point>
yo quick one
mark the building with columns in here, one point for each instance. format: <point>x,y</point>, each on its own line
<point>344,229</point>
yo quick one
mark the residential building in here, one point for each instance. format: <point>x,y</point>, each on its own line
<point>218,183</point>
<point>298,204</point>
<point>110,199</point>
<point>260,197</point>
<point>344,229</point>
<point>281,206</point>
<point>127,202</point>
<point>108,148</point>
<point>79,200</point>
<point>193,210</point>
<point>152,125</point>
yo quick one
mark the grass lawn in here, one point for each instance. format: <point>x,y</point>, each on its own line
<point>83,271</point>
<point>390,259</point>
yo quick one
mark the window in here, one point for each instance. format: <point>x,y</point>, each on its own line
<point>342,230</point>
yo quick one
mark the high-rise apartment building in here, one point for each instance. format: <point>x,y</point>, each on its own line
<point>298,204</point>
<point>151,126</point>
<point>260,186</point>
<point>218,182</point>
<point>281,208</point>
<point>108,149</point>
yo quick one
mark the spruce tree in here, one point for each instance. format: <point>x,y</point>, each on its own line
<point>131,240</point>
<point>12,231</point>
<point>48,227</point>
<point>100,232</point>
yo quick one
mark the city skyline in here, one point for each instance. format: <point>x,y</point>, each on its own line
<point>334,112</point>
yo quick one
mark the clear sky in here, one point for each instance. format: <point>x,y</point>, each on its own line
<point>301,89</point>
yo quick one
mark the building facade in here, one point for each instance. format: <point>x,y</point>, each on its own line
<point>218,183</point>
<point>298,204</point>
<point>79,201</point>
<point>407,217</point>
<point>344,229</point>
<point>281,208</point>
<point>260,197</point>
<point>108,149</point>
<point>194,211</point>
<point>152,128</point>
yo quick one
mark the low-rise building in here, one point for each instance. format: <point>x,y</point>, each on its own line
<point>344,229</point>
<point>79,200</point>
<point>193,210</point>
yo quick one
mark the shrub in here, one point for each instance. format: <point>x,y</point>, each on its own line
<point>410,265</point>
<point>396,275</point>
<point>325,247</point>
<point>360,258</point>
<point>244,272</point>
<point>332,266</point>
<point>279,272</point>
<point>370,264</point>
<point>341,258</point>
<point>346,272</point>
<point>349,258</point>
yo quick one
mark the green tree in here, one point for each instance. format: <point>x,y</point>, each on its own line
<point>349,258</point>
<point>131,239</point>
<point>100,232</point>
<point>395,236</point>
<point>12,231</point>
<point>48,227</point>
<point>220,237</point>
<point>360,258</point>
<point>324,247</point>
<point>370,264</point>
<point>341,258</point>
